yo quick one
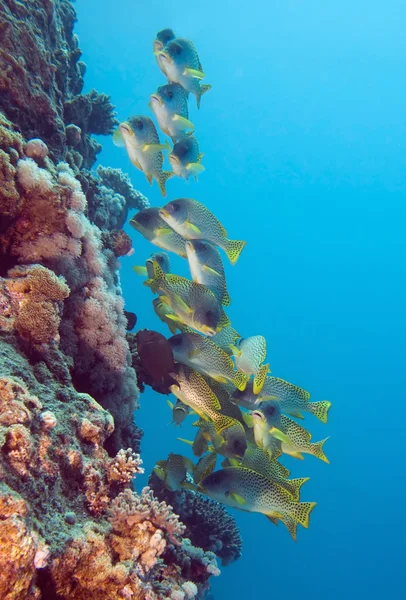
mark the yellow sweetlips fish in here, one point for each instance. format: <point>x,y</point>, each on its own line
<point>150,224</point>
<point>193,221</point>
<point>186,158</point>
<point>204,467</point>
<point>201,354</point>
<point>163,260</point>
<point>140,138</point>
<point>181,64</point>
<point>294,400</point>
<point>207,268</point>
<point>169,104</point>
<point>249,356</point>
<point>173,472</point>
<point>250,491</point>
<point>192,303</point>
<point>162,38</point>
<point>269,425</point>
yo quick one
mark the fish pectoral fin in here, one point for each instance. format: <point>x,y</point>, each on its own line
<point>219,378</point>
<point>279,435</point>
<point>186,485</point>
<point>200,157</point>
<point>189,442</point>
<point>182,305</point>
<point>183,123</point>
<point>195,169</point>
<point>173,317</point>
<point>211,271</point>
<point>239,499</point>
<point>192,226</point>
<point>163,231</point>
<point>170,404</point>
<point>118,139</point>
<point>154,148</point>
<point>194,73</point>
<point>140,270</point>
<point>236,351</point>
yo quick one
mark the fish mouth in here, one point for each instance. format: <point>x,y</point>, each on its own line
<point>163,213</point>
<point>156,98</point>
<point>256,414</point>
<point>126,128</point>
<point>190,247</point>
<point>157,45</point>
<point>174,159</point>
<point>209,331</point>
<point>200,488</point>
<point>165,56</point>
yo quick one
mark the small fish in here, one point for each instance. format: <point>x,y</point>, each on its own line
<point>173,472</point>
<point>202,354</point>
<point>294,400</point>
<point>204,467</point>
<point>149,224</point>
<point>156,360</point>
<point>227,337</point>
<point>249,356</point>
<point>207,268</point>
<point>259,460</point>
<point>162,38</point>
<point>250,491</point>
<point>179,411</point>
<point>141,140</point>
<point>268,423</point>
<point>181,64</point>
<point>186,158</point>
<point>169,104</point>
<point>163,260</point>
<point>192,303</point>
<point>193,221</point>
<point>231,442</point>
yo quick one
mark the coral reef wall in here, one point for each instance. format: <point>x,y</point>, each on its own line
<point>71,524</point>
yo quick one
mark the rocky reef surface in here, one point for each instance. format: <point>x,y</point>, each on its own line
<point>71,524</point>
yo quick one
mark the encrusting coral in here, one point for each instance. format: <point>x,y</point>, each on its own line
<point>71,524</point>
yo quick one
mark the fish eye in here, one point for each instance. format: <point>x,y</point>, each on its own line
<point>169,94</point>
<point>175,206</point>
<point>227,493</point>
<point>143,217</point>
<point>200,245</point>
<point>271,410</point>
<point>177,49</point>
<point>139,124</point>
<point>216,480</point>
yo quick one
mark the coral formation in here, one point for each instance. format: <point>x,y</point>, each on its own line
<point>71,524</point>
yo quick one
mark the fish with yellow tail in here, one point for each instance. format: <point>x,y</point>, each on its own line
<point>249,355</point>
<point>186,158</point>
<point>181,64</point>
<point>140,138</point>
<point>170,106</point>
<point>162,38</point>
<point>207,268</point>
<point>192,303</point>
<point>245,489</point>
<point>202,354</point>
<point>150,225</point>
<point>193,221</point>
<point>173,472</point>
<point>269,425</point>
<point>293,400</point>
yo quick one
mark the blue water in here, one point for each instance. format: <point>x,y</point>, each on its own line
<point>304,141</point>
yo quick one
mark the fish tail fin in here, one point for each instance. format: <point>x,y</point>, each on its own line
<point>156,275</point>
<point>320,409</point>
<point>202,90</point>
<point>259,378</point>
<point>163,178</point>
<point>290,524</point>
<point>233,249</point>
<point>300,511</point>
<point>295,485</point>
<point>240,380</point>
<point>318,452</point>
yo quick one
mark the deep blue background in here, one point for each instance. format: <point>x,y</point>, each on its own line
<point>305,150</point>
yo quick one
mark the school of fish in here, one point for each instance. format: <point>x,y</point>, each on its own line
<point>243,416</point>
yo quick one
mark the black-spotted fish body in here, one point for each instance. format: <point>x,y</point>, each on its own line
<point>202,354</point>
<point>170,106</point>
<point>226,338</point>
<point>231,442</point>
<point>249,356</point>
<point>260,461</point>
<point>163,260</point>
<point>250,491</point>
<point>179,412</point>
<point>141,140</point>
<point>162,38</point>
<point>294,400</point>
<point>207,268</point>
<point>193,304</point>
<point>186,158</point>
<point>204,467</point>
<point>181,64</point>
<point>173,472</point>
<point>193,221</point>
<point>193,390</point>
<point>151,226</point>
